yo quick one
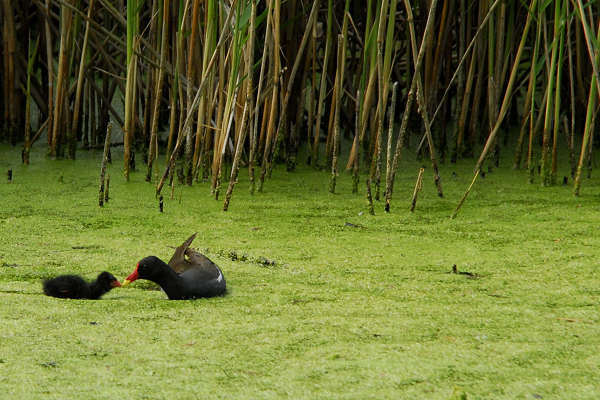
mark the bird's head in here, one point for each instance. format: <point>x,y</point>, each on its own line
<point>108,280</point>
<point>146,268</point>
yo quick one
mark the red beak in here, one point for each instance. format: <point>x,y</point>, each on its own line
<point>115,284</point>
<point>134,276</point>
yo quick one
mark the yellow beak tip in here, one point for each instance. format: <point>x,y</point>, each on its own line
<point>125,283</point>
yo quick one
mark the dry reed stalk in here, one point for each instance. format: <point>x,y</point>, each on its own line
<point>323,83</point>
<point>418,187</point>
<point>62,78</point>
<point>189,138</point>
<point>355,163</point>
<point>10,51</point>
<point>153,145</point>
<point>130,85</point>
<point>203,118</point>
<point>550,103</point>
<point>80,78</point>
<point>254,140</point>
<point>50,68</point>
<point>390,135</point>
<point>103,164</point>
<point>526,115</point>
<point>311,94</point>
<point>237,156</point>
<point>31,59</point>
<point>107,189</point>
<point>464,197</point>
<point>338,104</point>
<point>594,89</point>
<point>129,124</point>
<point>557,97</point>
<point>571,129</point>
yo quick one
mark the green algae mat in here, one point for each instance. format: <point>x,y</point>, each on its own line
<point>324,300</point>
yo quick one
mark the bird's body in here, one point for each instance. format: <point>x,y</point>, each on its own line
<point>75,287</point>
<point>192,283</point>
<point>183,278</point>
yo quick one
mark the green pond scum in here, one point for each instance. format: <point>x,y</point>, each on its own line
<point>499,303</point>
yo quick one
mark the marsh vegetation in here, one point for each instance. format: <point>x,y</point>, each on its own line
<point>212,86</point>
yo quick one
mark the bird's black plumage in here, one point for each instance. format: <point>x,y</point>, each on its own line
<point>75,287</point>
<point>198,281</point>
<point>188,275</point>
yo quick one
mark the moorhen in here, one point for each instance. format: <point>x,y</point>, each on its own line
<point>75,287</point>
<point>182,278</point>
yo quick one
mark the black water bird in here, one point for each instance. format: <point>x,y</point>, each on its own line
<point>188,275</point>
<point>75,287</point>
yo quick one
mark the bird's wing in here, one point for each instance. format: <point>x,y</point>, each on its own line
<point>178,262</point>
<point>201,267</point>
<point>198,259</point>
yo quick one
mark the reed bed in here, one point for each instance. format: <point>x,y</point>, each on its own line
<point>220,87</point>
